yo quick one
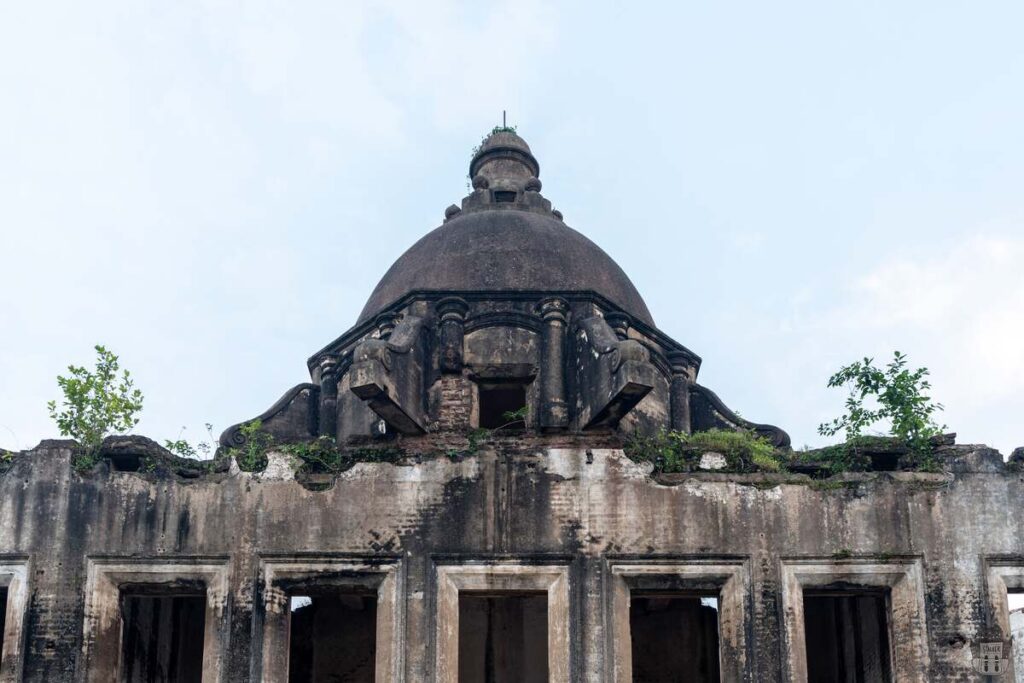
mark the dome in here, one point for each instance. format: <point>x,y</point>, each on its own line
<point>506,251</point>
<point>505,237</point>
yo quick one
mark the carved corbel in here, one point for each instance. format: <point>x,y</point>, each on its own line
<point>387,374</point>
<point>452,314</point>
<point>613,374</point>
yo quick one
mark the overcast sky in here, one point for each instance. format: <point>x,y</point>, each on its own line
<point>213,189</point>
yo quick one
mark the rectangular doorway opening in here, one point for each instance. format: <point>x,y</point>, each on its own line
<point>503,637</point>
<point>332,637</point>
<point>847,636</point>
<point>3,618</point>
<point>502,405</point>
<point>162,636</point>
<point>674,637</point>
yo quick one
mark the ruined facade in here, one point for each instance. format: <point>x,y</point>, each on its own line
<point>490,526</point>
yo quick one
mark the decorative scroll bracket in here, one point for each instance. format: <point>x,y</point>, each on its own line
<point>388,375</point>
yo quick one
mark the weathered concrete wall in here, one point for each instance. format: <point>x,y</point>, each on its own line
<point>539,501</point>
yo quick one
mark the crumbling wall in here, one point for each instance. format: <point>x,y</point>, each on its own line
<point>531,501</point>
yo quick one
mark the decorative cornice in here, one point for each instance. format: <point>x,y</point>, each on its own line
<point>365,328</point>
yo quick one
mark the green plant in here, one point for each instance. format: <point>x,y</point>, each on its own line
<point>201,451</point>
<point>476,437</point>
<point>96,403</point>
<point>899,394</point>
<point>673,451</point>
<point>513,418</point>
<point>321,455</point>
<point>252,456</point>
<point>181,448</point>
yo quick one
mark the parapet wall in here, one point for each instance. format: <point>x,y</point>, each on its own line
<point>580,523</point>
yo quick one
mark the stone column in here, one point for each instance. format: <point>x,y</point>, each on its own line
<point>452,312</point>
<point>684,374</point>
<point>554,413</point>
<point>385,323</point>
<point>328,417</point>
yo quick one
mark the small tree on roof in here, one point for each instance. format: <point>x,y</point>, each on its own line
<point>96,403</point>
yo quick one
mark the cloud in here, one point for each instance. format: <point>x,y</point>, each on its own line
<point>193,183</point>
<point>957,308</point>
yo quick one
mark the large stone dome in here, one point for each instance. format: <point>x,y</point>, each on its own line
<point>505,238</point>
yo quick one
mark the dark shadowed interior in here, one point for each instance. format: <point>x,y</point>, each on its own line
<point>674,638</point>
<point>162,639</point>
<point>497,401</point>
<point>847,637</point>
<point>3,619</point>
<point>503,638</point>
<point>333,638</point>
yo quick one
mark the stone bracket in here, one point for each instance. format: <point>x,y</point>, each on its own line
<point>370,382</point>
<point>388,375</point>
<point>630,384</point>
<point>614,374</point>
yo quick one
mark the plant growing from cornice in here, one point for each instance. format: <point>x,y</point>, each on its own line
<point>252,456</point>
<point>900,396</point>
<point>201,451</point>
<point>674,451</point>
<point>96,403</point>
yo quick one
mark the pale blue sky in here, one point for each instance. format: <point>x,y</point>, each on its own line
<point>213,189</point>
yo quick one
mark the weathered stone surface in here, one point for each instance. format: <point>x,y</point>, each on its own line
<point>501,305</point>
<point>524,499</point>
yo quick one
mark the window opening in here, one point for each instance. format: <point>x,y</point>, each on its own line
<point>332,637</point>
<point>162,637</point>
<point>674,637</point>
<point>502,405</point>
<point>503,637</point>
<point>1015,604</point>
<point>504,196</point>
<point>847,636</point>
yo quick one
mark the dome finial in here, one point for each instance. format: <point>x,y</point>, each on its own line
<point>504,156</point>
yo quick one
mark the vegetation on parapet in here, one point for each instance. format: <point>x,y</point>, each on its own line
<point>322,455</point>
<point>893,394</point>
<point>95,404</point>
<point>102,401</point>
<point>673,451</point>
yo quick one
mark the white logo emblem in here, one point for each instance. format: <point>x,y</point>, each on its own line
<point>991,662</point>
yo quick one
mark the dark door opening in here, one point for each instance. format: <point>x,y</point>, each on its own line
<point>3,619</point>
<point>847,637</point>
<point>503,405</point>
<point>503,638</point>
<point>333,637</point>
<point>674,637</point>
<point>162,638</point>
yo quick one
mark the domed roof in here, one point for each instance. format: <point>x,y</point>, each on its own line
<point>505,238</point>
